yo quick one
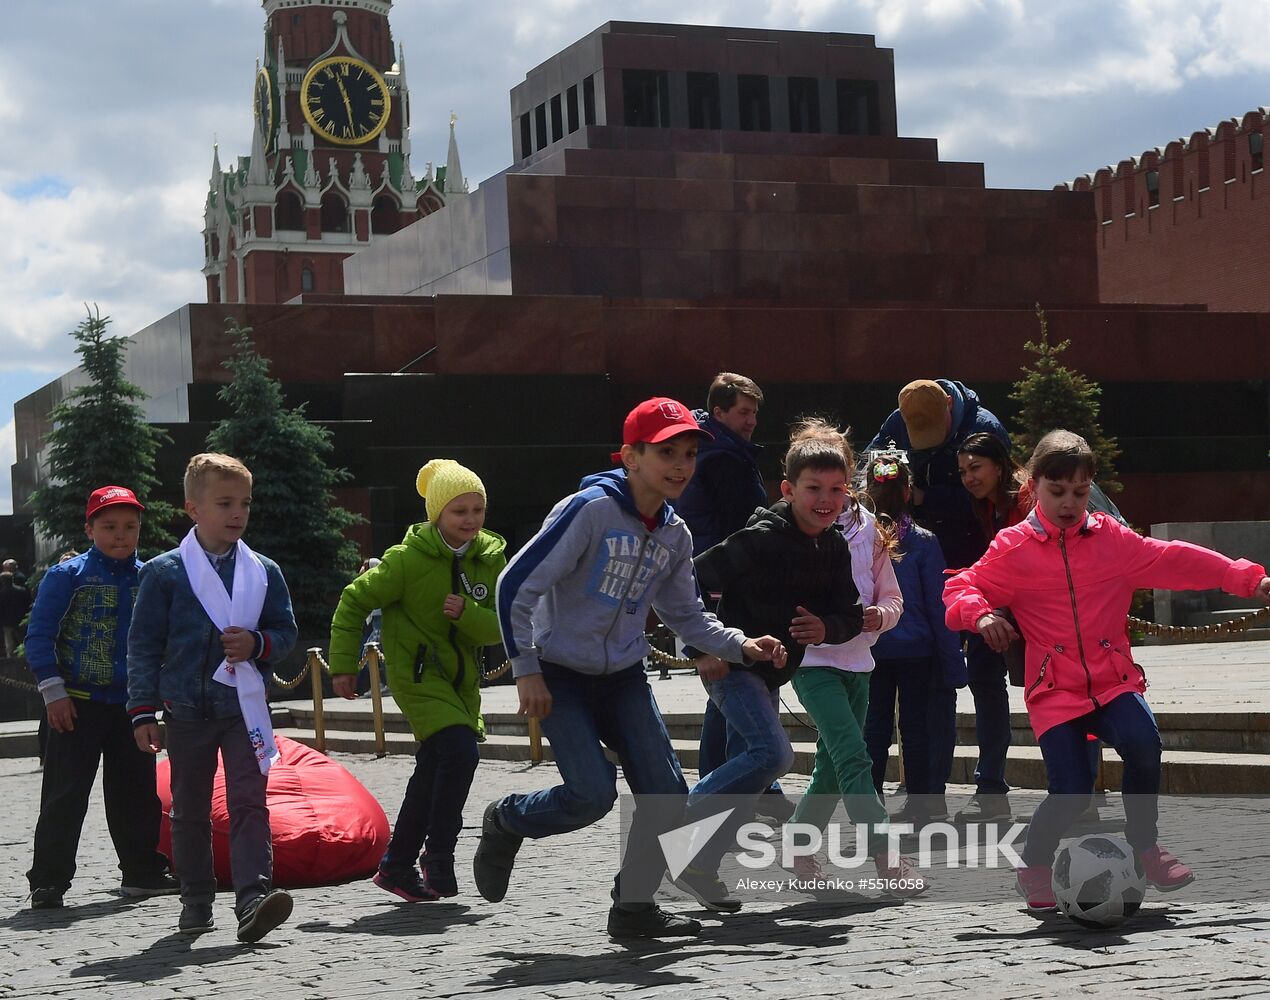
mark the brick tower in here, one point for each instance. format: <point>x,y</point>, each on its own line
<point>329,168</point>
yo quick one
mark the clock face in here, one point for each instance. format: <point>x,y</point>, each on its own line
<point>345,101</point>
<point>262,102</point>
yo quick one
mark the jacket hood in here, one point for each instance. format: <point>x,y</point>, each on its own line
<point>425,538</point>
<point>779,517</point>
<point>965,406</point>
<point>615,484</point>
<point>723,439</point>
<point>1043,528</point>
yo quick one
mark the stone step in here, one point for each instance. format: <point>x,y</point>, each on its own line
<point>1204,732</point>
<point>1183,772</point>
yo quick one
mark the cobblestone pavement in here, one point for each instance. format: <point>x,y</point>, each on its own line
<point>547,938</point>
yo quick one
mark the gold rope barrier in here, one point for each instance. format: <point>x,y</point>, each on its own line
<point>1191,632</point>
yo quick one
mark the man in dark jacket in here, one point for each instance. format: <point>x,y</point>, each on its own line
<point>934,418</point>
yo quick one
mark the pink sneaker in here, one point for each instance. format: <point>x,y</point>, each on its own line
<point>903,881</point>
<point>1036,885</point>
<point>807,867</point>
<point>1163,870</point>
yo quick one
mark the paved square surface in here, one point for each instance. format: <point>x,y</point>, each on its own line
<point>547,938</point>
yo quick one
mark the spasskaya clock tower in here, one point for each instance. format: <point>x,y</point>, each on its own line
<point>329,168</point>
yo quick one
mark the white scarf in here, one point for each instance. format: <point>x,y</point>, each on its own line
<point>243,610</point>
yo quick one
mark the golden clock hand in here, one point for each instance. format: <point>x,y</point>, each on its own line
<point>348,105</point>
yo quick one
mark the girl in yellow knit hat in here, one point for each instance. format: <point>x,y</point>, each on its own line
<point>436,590</point>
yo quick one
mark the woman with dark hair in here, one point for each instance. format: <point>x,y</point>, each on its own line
<point>996,481</point>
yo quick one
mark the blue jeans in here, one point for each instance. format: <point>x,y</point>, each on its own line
<point>928,722</point>
<point>432,808</point>
<point>588,713</point>
<point>987,675</point>
<point>760,754</point>
<point>719,743</point>
<point>1128,725</point>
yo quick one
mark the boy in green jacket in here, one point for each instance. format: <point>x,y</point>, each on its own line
<point>436,590</point>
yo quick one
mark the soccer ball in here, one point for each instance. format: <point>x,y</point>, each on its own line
<point>1098,881</point>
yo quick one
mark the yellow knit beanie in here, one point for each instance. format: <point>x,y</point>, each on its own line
<point>443,479</point>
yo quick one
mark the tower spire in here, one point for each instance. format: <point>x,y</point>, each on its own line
<point>454,182</point>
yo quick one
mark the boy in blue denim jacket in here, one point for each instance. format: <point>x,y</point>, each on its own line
<point>76,645</point>
<point>174,649</point>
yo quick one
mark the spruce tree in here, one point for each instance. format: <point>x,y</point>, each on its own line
<point>294,518</point>
<point>1050,396</point>
<point>100,437</point>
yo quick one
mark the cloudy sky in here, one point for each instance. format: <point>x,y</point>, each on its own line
<point>108,109</point>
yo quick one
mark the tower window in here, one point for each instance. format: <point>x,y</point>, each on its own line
<point>645,98</point>
<point>1254,149</point>
<point>306,279</point>
<point>588,100</point>
<point>804,104</point>
<point>571,108</point>
<point>754,103</point>
<point>384,215</point>
<point>557,120</point>
<point>540,126</point>
<point>334,214</point>
<point>1153,187</point>
<point>288,213</point>
<point>703,101</point>
<point>526,136</point>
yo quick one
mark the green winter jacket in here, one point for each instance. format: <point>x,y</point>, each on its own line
<point>430,660</point>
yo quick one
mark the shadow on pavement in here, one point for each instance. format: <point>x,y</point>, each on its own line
<point>1151,920</point>
<point>167,956</point>
<point>65,916</point>
<point>413,918</point>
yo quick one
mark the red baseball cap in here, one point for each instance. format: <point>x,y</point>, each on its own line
<point>109,496</point>
<point>656,420</point>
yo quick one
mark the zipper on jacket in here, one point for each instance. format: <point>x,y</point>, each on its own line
<point>1041,676</point>
<point>456,585</point>
<point>1106,644</point>
<point>1080,645</point>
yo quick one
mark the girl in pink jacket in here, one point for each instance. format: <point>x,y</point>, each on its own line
<point>1068,577</point>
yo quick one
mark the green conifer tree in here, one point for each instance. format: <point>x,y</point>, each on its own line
<point>1050,396</point>
<point>100,437</point>
<point>294,518</point>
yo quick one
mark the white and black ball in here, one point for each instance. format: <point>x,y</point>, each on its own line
<point>1098,881</point>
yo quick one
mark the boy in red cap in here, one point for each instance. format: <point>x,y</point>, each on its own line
<point>572,607</point>
<point>77,644</point>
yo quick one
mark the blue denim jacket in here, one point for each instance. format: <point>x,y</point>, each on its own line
<point>174,649</point>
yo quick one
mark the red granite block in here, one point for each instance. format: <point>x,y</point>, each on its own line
<point>859,170</point>
<point>596,227</point>
<point>757,276</point>
<point>896,345</point>
<point>806,343</point>
<point>962,174</point>
<point>749,231</point>
<point>804,169</point>
<point>703,341</point>
<point>823,198</point>
<point>1019,204</point>
<point>523,335</point>
<point>708,230</point>
<point>752,56</point>
<point>620,162</point>
<point>987,344</point>
<point>723,274</point>
<point>531,209</point>
<point>658,230</point>
<point>637,51</point>
<point>814,277</point>
<point>595,192</point>
<point>677,194</point>
<point>578,331</point>
<point>955,235</point>
<point>780,231</point>
<point>632,335</point>
<point>960,202</point>
<point>890,234</point>
<point>400,335</point>
<point>821,232</point>
<point>613,272</point>
<point>1018,236</point>
<point>701,55</point>
<point>754,196</point>
<point>886,200</point>
<point>675,274</point>
<point>801,56</point>
<point>858,62</point>
<point>541,270</point>
<point>704,166</point>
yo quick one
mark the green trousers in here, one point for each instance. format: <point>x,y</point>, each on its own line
<point>837,701</point>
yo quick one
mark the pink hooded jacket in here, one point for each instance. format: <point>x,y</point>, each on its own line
<point>1070,591</point>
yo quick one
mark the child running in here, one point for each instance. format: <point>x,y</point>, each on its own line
<point>920,658</point>
<point>573,606</point>
<point>789,571</point>
<point>436,590</point>
<point>1068,577</point>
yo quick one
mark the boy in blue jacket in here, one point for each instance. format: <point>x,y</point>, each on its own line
<point>572,606</point>
<point>76,645</point>
<point>182,660</point>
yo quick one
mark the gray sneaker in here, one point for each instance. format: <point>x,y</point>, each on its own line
<point>650,922</point>
<point>196,918</point>
<point>264,915</point>
<point>708,890</point>
<point>495,856</point>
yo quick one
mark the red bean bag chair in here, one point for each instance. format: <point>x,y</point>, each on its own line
<point>327,827</point>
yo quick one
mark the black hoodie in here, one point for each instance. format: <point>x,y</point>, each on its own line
<point>768,569</point>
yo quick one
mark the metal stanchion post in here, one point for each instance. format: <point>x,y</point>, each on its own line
<point>899,740</point>
<point>535,741</point>
<point>315,674</point>
<point>376,697</point>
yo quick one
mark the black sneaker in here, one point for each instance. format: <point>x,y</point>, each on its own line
<point>708,890</point>
<point>156,884</point>
<point>651,922</point>
<point>196,918</point>
<point>985,809</point>
<point>495,856</point>
<point>404,883</point>
<point>264,915</point>
<point>46,898</point>
<point>775,806</point>
<point>438,874</point>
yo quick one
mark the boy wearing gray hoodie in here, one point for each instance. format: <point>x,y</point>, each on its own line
<point>572,607</point>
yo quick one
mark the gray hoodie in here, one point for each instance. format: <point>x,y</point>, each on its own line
<point>579,593</point>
